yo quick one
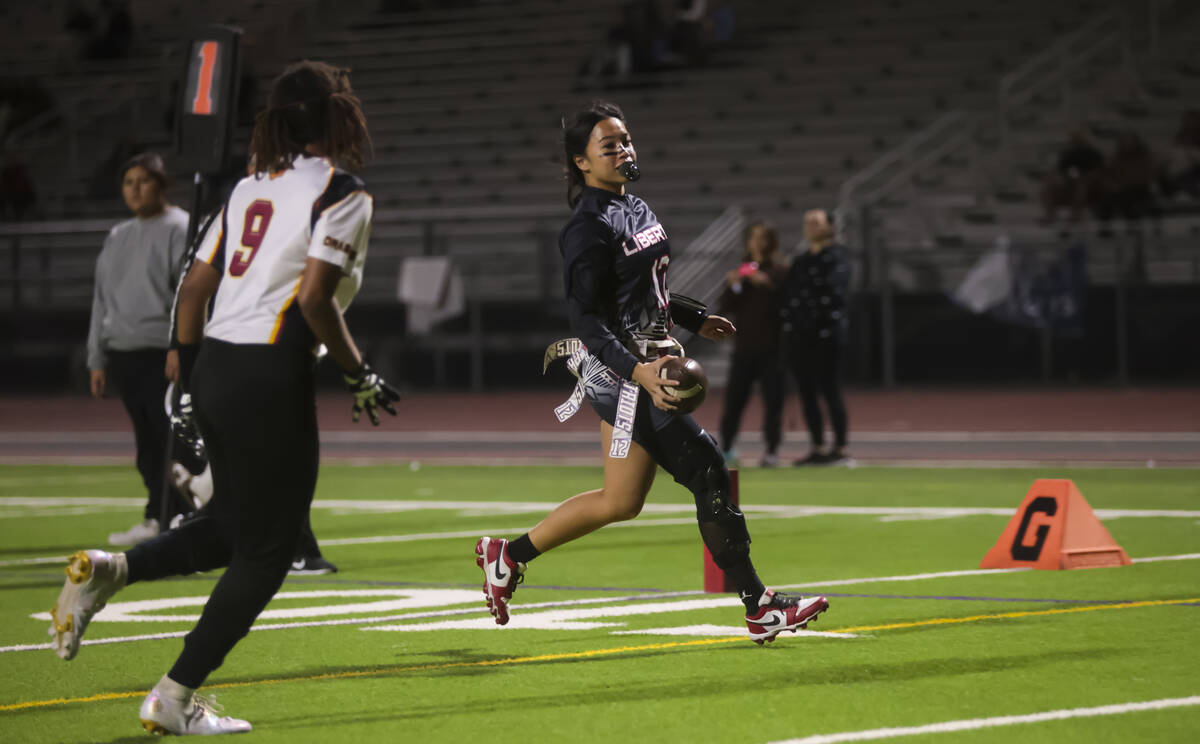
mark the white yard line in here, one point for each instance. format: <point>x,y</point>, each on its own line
<point>971,724</point>
<point>1179,557</point>
<point>484,508</point>
<point>463,534</point>
<point>591,601</point>
<point>44,501</point>
<point>34,561</point>
<point>13,481</point>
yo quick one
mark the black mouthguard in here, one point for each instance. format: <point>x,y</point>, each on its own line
<point>630,170</point>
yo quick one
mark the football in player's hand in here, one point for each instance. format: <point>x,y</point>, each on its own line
<point>693,383</point>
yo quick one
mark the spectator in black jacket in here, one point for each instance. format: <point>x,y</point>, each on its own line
<point>814,319</point>
<point>1076,180</point>
<point>751,297</point>
<point>1181,172</point>
<point>1129,181</point>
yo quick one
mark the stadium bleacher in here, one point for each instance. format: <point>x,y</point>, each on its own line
<point>465,101</point>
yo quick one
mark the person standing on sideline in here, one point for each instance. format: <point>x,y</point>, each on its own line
<point>814,320</point>
<point>615,259</point>
<point>136,274</point>
<point>751,296</point>
<point>279,265</point>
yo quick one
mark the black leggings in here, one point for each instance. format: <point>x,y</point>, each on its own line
<point>139,377</point>
<point>256,410</point>
<point>197,544</point>
<point>679,446</point>
<point>745,368</point>
<point>816,363</point>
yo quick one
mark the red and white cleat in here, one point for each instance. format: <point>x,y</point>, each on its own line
<point>779,612</point>
<point>501,575</point>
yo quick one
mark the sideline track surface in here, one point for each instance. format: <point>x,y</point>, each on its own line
<point>927,448</point>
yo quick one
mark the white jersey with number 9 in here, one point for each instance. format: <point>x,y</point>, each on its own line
<point>270,225</point>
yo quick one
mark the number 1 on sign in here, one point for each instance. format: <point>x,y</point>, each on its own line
<point>203,103</point>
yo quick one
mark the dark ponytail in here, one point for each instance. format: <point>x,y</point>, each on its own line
<point>772,232</point>
<point>575,135</point>
<point>311,102</point>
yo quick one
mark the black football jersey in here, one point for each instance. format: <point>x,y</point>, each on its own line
<point>615,256</point>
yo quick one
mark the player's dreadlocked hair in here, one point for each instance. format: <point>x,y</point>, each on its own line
<point>311,102</point>
<point>576,132</point>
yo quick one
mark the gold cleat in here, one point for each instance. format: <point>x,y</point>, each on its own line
<point>79,567</point>
<point>93,576</point>
<point>154,728</point>
<point>66,627</point>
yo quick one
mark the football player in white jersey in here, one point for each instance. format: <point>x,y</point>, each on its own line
<point>279,265</point>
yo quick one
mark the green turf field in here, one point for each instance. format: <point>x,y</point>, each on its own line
<point>610,640</point>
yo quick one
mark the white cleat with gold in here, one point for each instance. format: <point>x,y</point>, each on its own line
<point>93,576</point>
<point>195,715</point>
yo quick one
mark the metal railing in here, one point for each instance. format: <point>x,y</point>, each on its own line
<point>49,263</point>
<point>1056,68</point>
<point>719,246</point>
<point>894,171</point>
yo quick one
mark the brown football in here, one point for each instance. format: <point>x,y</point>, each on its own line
<point>693,383</point>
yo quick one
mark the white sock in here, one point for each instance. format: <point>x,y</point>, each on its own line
<point>120,567</point>
<point>168,687</point>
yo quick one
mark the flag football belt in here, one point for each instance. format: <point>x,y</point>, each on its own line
<point>573,350</point>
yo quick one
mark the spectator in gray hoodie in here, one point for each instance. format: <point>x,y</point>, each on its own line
<point>136,274</point>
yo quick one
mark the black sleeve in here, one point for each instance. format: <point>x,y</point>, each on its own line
<point>687,312</point>
<point>588,275</point>
<point>839,277</point>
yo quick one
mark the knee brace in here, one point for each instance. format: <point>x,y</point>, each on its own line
<point>722,526</point>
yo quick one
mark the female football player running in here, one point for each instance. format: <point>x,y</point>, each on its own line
<point>615,257</point>
<point>282,261</point>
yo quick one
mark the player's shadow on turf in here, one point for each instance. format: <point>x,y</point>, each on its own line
<point>40,550</point>
<point>47,584</point>
<point>602,690</point>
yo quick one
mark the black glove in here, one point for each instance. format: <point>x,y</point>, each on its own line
<point>370,393</point>
<point>183,425</point>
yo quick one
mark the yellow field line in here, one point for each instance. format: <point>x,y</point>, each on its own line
<point>592,653</point>
<point>388,670</point>
<point>1009,615</point>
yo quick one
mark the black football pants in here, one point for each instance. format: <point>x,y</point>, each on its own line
<point>744,369</point>
<point>816,363</point>
<point>256,410</point>
<point>140,379</point>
